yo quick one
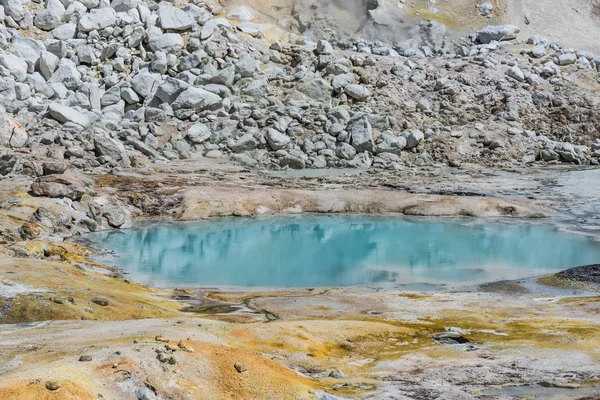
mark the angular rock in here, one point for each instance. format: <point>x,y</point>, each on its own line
<point>47,20</point>
<point>497,33</point>
<point>197,99</point>
<point>62,185</point>
<point>124,5</point>
<point>413,138</point>
<point>66,114</point>
<point>174,18</point>
<point>244,143</point>
<point>390,143</point>
<point>106,146</point>
<point>97,19</point>
<point>66,74</point>
<point>199,133</point>
<point>170,88</point>
<point>357,92</point>
<point>361,134</point>
<point>144,83</point>
<point>324,47</point>
<point>15,66</point>
<point>516,73</point>
<point>345,151</point>
<point>48,64</point>
<point>171,43</point>
<point>276,139</point>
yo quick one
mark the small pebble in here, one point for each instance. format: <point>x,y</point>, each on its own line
<point>240,366</point>
<point>52,385</point>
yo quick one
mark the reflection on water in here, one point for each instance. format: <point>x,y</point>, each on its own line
<point>304,251</point>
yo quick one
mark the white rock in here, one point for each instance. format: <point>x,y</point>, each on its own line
<point>144,83</point>
<point>241,13</point>
<point>361,134</point>
<point>199,133</point>
<point>74,11</point>
<point>174,18</point>
<point>198,99</point>
<point>357,92</point>
<point>130,96</point>
<point>15,65</point>
<point>23,91</point>
<point>168,43</point>
<point>538,51</point>
<point>47,20</point>
<point>67,114</point>
<point>276,139</point>
<point>48,64</point>
<point>413,138</point>
<point>97,19</point>
<point>57,6</point>
<point>28,49</point>
<point>170,88</point>
<point>498,33</point>
<point>516,73</point>
<point>210,25</point>
<point>65,31</point>
<point>67,74</point>
<point>124,5</point>
<point>13,9</point>
<point>324,47</point>
<point>566,59</point>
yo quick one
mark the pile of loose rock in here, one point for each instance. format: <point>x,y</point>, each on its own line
<point>125,83</point>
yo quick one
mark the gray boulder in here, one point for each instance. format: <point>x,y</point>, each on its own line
<point>345,151</point>
<point>66,74</point>
<point>198,133</point>
<point>170,43</point>
<point>324,47</point>
<point>13,9</point>
<point>59,185</point>
<point>276,139</point>
<point>567,59</point>
<point>497,33</point>
<point>357,92</point>
<point>361,134</point>
<point>65,31</point>
<point>170,88</point>
<point>47,20</point>
<point>106,146</point>
<point>390,143</point>
<point>15,66</point>
<point>97,19</point>
<point>145,83</point>
<point>244,143</point>
<point>48,64</point>
<point>124,5</point>
<point>198,99</point>
<point>246,67</point>
<point>174,18</point>
<point>12,134</point>
<point>516,73</point>
<point>27,49</point>
<point>413,138</point>
<point>68,114</point>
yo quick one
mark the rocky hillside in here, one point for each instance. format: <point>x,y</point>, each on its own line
<point>119,84</point>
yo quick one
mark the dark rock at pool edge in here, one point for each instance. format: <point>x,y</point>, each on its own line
<point>584,273</point>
